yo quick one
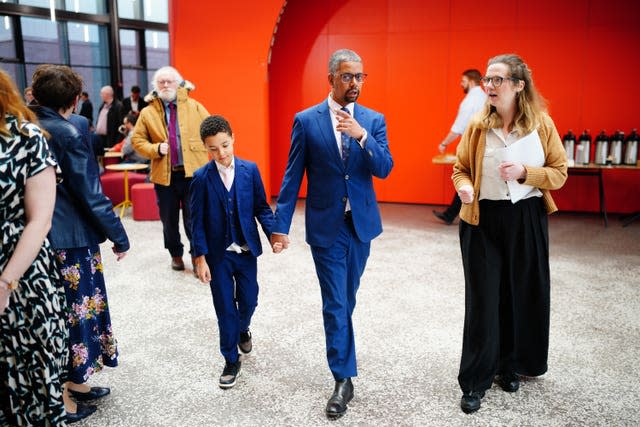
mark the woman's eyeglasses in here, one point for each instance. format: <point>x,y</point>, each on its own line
<point>496,81</point>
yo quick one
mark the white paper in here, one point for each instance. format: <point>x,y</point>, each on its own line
<point>527,151</point>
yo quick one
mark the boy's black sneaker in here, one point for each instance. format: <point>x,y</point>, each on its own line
<point>245,344</point>
<point>230,374</point>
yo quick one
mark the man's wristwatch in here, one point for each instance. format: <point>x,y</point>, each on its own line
<point>9,285</point>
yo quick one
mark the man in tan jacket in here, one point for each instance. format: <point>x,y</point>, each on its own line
<point>168,133</point>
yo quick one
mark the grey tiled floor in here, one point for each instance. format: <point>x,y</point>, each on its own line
<point>408,324</point>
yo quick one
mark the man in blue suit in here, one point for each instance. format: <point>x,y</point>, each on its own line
<point>341,146</point>
<point>226,197</point>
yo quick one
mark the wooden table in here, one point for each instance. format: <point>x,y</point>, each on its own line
<point>126,167</point>
<point>444,159</point>
<point>593,169</point>
<point>111,157</point>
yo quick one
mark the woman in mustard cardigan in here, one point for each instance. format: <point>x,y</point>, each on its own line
<point>509,158</point>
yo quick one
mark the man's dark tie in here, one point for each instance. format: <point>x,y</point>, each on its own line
<point>345,139</point>
<point>173,139</point>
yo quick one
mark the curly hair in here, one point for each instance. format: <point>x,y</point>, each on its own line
<point>213,125</point>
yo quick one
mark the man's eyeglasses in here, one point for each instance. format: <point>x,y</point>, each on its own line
<point>348,77</point>
<point>496,80</point>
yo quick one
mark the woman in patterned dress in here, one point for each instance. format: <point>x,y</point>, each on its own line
<point>33,335</point>
<point>82,219</point>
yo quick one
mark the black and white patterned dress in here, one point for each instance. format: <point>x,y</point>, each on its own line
<point>33,335</point>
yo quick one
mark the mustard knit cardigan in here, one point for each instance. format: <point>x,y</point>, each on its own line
<point>470,154</point>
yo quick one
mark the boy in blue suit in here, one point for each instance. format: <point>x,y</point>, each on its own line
<point>227,196</point>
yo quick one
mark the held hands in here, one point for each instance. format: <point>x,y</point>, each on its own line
<point>510,171</point>
<point>164,148</point>
<point>442,148</point>
<point>348,125</point>
<point>279,242</point>
<point>466,193</point>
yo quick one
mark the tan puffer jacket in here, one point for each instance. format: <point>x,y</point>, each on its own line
<point>151,131</point>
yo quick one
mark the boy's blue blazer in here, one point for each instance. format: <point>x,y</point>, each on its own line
<point>208,214</point>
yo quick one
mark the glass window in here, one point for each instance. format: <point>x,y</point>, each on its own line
<point>150,74</point>
<point>157,43</point>
<point>130,9</point>
<point>86,44</point>
<point>7,45</point>
<point>134,77</point>
<point>37,3</point>
<point>16,71</point>
<point>156,11</point>
<point>29,69</point>
<point>129,50</point>
<point>86,6</point>
<point>93,80</point>
<point>41,41</point>
<point>145,10</point>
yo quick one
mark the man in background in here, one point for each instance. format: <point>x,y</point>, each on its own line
<point>472,103</point>
<point>168,133</point>
<point>109,119</point>
<point>134,103</point>
<point>85,108</point>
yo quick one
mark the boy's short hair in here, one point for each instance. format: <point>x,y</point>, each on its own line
<point>213,125</point>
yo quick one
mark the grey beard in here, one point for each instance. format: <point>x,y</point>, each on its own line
<point>168,97</point>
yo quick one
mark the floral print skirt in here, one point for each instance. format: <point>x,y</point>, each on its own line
<point>91,342</point>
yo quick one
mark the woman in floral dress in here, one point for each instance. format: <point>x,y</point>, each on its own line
<point>33,335</point>
<point>83,218</point>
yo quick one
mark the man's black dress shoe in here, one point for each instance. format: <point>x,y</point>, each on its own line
<point>442,217</point>
<point>509,382</point>
<point>342,395</point>
<point>470,402</point>
<point>82,412</point>
<point>93,394</point>
<point>245,342</point>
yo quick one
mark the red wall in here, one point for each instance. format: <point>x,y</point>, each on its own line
<point>222,47</point>
<point>584,58</point>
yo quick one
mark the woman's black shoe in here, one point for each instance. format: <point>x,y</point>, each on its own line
<point>509,382</point>
<point>93,394</point>
<point>82,412</point>
<point>470,402</point>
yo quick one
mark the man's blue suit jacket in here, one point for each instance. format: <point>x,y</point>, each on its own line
<point>208,213</point>
<point>314,150</point>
